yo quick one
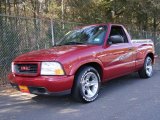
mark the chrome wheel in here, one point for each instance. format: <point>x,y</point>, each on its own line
<point>89,83</point>
<point>147,70</point>
<point>86,84</point>
<point>149,67</point>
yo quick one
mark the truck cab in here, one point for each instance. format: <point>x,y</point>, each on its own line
<point>83,59</point>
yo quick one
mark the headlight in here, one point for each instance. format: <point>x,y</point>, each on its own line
<point>51,68</point>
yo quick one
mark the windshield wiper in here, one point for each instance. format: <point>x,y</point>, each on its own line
<point>58,45</point>
<point>73,43</point>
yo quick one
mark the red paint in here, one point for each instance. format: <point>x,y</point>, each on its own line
<point>115,60</point>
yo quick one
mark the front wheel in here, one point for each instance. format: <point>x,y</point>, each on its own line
<point>86,86</point>
<point>147,70</point>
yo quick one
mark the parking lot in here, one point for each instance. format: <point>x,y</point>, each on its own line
<point>125,98</point>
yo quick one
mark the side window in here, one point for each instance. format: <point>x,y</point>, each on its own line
<point>118,30</point>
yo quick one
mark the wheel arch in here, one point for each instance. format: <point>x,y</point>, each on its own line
<point>95,65</point>
<point>151,55</point>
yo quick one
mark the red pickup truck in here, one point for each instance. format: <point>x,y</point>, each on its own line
<point>82,60</point>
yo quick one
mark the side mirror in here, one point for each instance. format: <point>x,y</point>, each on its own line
<point>115,39</point>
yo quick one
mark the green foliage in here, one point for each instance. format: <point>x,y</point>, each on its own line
<point>141,14</point>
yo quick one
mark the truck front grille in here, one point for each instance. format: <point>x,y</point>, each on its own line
<point>26,69</point>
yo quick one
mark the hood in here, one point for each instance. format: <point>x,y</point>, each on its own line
<point>49,54</point>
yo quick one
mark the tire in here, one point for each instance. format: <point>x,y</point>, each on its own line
<point>147,70</point>
<point>86,85</point>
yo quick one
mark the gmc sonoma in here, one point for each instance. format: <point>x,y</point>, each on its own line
<point>82,60</point>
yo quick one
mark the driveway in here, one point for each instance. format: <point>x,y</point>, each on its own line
<point>125,98</point>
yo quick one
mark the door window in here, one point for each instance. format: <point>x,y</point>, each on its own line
<point>118,30</point>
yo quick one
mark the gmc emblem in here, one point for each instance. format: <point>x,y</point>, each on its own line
<point>25,68</point>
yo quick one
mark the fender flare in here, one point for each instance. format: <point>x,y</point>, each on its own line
<point>149,52</point>
<point>78,64</point>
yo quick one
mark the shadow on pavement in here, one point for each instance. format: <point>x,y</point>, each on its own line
<point>106,88</point>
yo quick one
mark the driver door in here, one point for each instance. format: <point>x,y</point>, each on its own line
<point>119,56</point>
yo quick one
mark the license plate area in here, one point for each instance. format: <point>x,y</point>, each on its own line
<point>24,88</point>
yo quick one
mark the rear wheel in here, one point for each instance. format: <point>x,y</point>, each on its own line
<point>147,70</point>
<point>86,86</point>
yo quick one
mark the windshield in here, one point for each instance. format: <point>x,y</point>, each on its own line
<point>85,35</point>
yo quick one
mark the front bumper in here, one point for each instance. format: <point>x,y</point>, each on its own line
<point>43,85</point>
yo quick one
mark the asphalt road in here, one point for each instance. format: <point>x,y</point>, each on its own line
<point>125,98</point>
